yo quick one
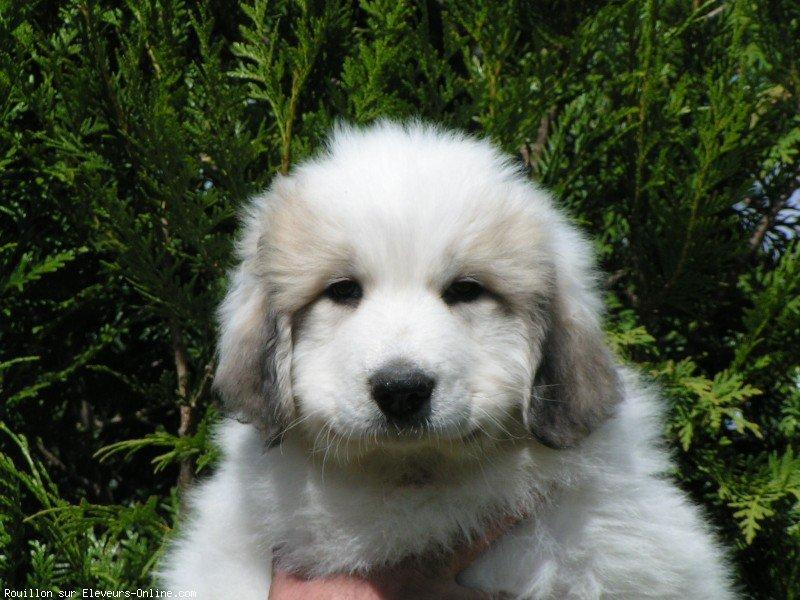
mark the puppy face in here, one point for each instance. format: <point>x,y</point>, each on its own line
<point>410,287</point>
<point>420,305</point>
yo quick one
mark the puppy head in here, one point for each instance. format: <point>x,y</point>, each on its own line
<point>409,286</point>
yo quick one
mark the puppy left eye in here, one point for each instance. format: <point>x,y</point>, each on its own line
<point>463,290</point>
<point>345,291</point>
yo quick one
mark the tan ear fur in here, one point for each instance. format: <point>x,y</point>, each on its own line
<point>253,374</point>
<point>577,385</point>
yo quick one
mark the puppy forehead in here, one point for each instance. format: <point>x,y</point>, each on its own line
<point>410,212</point>
<point>417,225</point>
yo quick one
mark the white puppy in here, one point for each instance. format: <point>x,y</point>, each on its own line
<point>412,345</point>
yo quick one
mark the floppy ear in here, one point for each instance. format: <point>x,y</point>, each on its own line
<point>255,347</point>
<point>577,385</point>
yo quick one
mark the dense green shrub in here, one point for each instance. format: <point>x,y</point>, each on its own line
<point>132,130</point>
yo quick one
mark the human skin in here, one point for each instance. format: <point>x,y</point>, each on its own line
<point>422,580</point>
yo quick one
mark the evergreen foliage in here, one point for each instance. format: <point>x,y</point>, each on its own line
<point>132,131</point>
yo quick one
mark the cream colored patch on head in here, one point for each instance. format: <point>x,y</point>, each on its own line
<point>300,252</point>
<point>379,240</point>
<point>507,250</point>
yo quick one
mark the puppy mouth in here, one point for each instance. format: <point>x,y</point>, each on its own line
<point>426,431</point>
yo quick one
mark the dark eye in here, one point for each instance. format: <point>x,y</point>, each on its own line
<point>463,290</point>
<point>346,291</point>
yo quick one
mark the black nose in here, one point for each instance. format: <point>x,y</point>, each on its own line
<point>402,392</point>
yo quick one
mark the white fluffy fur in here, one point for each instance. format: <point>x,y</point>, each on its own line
<point>405,209</point>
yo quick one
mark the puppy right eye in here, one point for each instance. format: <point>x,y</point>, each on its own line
<point>463,290</point>
<point>345,291</point>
